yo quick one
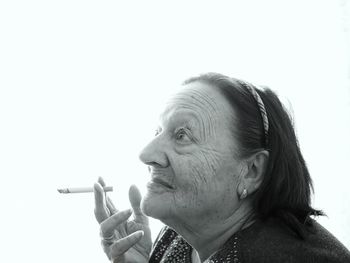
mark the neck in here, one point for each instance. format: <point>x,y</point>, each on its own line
<point>207,236</point>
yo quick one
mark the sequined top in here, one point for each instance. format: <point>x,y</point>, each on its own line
<point>268,241</point>
<point>171,247</point>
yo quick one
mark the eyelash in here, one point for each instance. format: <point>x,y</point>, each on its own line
<point>178,132</point>
<point>182,131</point>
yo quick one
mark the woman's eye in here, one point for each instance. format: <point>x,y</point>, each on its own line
<point>182,135</point>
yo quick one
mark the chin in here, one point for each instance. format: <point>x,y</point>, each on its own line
<point>155,206</point>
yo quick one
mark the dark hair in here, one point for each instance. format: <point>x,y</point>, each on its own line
<point>286,187</point>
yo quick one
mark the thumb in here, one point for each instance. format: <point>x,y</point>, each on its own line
<point>135,200</point>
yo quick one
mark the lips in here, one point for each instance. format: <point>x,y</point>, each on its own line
<point>157,180</point>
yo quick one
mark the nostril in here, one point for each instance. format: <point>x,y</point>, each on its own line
<point>155,164</point>
<point>151,165</point>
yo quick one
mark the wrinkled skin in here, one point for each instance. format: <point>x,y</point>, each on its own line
<point>195,178</point>
<point>131,238</point>
<point>194,153</point>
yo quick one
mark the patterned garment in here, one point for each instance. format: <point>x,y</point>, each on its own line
<point>171,247</point>
<point>270,241</point>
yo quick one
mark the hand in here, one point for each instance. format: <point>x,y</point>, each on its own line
<point>122,240</point>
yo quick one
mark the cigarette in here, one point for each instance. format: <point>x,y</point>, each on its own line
<point>82,190</point>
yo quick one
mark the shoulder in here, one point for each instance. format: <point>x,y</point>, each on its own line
<point>321,242</point>
<point>272,241</point>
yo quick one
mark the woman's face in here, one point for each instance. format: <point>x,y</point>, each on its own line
<point>194,172</point>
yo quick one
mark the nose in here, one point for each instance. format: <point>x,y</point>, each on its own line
<point>154,154</point>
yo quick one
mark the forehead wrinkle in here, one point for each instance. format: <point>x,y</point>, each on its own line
<point>204,100</point>
<point>208,101</point>
<point>195,97</point>
<point>195,119</point>
<point>204,120</point>
<point>199,102</point>
<point>171,113</point>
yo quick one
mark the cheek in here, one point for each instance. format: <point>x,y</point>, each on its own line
<point>200,172</point>
<point>203,189</point>
<point>209,163</point>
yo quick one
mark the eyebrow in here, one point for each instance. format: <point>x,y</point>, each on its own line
<point>191,119</point>
<point>181,112</point>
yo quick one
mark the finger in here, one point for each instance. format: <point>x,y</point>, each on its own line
<point>135,200</point>
<point>123,244</point>
<point>111,206</point>
<point>132,227</point>
<point>108,226</point>
<point>101,181</point>
<point>101,212</point>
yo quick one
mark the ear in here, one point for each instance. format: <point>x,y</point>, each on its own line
<point>256,170</point>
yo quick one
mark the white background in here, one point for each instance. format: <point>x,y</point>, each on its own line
<point>82,84</point>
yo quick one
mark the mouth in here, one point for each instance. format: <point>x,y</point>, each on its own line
<point>161,182</point>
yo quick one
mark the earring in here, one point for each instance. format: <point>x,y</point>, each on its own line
<point>244,194</point>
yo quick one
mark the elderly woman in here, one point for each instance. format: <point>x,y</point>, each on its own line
<point>228,180</point>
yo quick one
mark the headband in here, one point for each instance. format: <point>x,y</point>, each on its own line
<point>261,106</point>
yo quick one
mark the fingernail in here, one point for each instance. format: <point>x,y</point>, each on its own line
<point>139,234</point>
<point>127,212</point>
